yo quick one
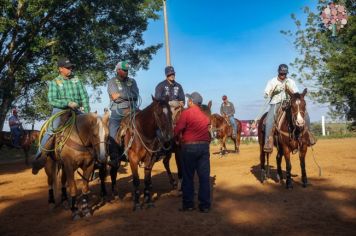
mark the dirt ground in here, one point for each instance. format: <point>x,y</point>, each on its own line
<point>241,204</point>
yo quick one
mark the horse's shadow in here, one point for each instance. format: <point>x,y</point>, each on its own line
<point>161,189</point>
<point>256,171</point>
<point>225,152</point>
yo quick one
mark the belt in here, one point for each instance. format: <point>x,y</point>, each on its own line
<point>196,142</point>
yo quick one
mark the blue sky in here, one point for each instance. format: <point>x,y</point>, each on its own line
<point>224,47</point>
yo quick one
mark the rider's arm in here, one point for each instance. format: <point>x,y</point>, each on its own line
<point>268,89</point>
<point>222,110</point>
<point>53,96</point>
<point>113,90</point>
<point>232,109</point>
<point>181,96</point>
<point>159,92</point>
<point>84,97</point>
<point>181,123</point>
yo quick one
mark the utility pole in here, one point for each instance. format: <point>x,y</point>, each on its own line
<point>166,35</point>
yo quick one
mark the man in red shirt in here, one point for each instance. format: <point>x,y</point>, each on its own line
<point>193,125</point>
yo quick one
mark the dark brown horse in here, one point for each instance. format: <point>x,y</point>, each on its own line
<point>28,137</point>
<point>78,148</point>
<point>206,109</point>
<point>145,134</point>
<point>221,130</point>
<point>289,136</point>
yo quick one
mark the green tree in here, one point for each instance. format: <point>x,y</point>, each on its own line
<point>327,64</point>
<point>93,34</point>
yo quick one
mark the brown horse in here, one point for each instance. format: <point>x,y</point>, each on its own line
<point>290,136</point>
<point>28,137</point>
<point>145,134</point>
<point>176,147</point>
<point>79,148</point>
<point>221,129</point>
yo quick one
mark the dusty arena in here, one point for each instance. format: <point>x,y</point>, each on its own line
<point>241,204</point>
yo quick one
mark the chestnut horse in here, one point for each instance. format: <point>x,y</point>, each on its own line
<point>290,136</point>
<point>78,147</point>
<point>28,137</point>
<point>221,129</point>
<point>144,135</point>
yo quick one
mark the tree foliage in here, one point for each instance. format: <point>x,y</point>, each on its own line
<point>93,34</point>
<point>327,64</point>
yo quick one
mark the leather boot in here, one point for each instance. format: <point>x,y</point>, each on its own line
<point>268,147</point>
<point>39,160</point>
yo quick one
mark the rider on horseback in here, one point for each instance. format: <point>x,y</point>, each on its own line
<point>171,88</point>
<point>123,93</point>
<point>15,128</point>
<point>276,92</point>
<point>65,91</point>
<point>227,110</point>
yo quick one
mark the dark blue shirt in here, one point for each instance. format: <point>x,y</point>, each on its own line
<point>173,90</point>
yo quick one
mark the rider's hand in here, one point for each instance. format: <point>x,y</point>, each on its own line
<point>73,105</point>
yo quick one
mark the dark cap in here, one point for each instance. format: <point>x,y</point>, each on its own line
<point>283,69</point>
<point>169,70</point>
<point>196,98</point>
<point>64,62</point>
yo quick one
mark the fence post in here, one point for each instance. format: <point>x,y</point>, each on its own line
<point>323,125</point>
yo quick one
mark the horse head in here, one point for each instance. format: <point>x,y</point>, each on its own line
<point>98,138</point>
<point>163,118</point>
<point>215,125</point>
<point>297,108</point>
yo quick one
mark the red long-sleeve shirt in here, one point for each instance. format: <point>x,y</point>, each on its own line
<point>194,125</point>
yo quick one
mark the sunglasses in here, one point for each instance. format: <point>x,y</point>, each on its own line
<point>282,74</point>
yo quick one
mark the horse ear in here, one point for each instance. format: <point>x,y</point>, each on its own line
<point>106,117</point>
<point>304,92</point>
<point>289,91</point>
<point>153,98</point>
<point>210,103</point>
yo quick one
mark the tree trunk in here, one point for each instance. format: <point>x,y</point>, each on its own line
<point>4,108</point>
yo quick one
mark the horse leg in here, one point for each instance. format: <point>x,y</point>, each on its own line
<point>25,150</point>
<point>87,171</point>
<point>69,171</point>
<point>102,175</point>
<point>135,182</point>
<point>289,184</point>
<point>113,176</point>
<point>64,196</point>
<point>50,172</point>
<point>168,169</point>
<point>148,186</point>
<point>279,167</point>
<point>263,176</point>
<point>178,158</point>
<point>302,154</point>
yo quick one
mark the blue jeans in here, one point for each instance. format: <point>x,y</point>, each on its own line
<point>115,151</point>
<point>271,117</point>
<point>49,132</point>
<point>196,157</point>
<point>233,123</point>
<point>16,135</point>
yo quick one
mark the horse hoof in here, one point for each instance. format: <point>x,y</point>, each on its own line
<point>65,205</point>
<point>75,216</point>
<point>150,205</point>
<point>305,184</point>
<point>136,207</point>
<point>289,186</point>
<point>87,213</point>
<point>51,207</point>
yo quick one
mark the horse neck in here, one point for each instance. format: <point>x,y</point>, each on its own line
<point>83,127</point>
<point>146,122</point>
